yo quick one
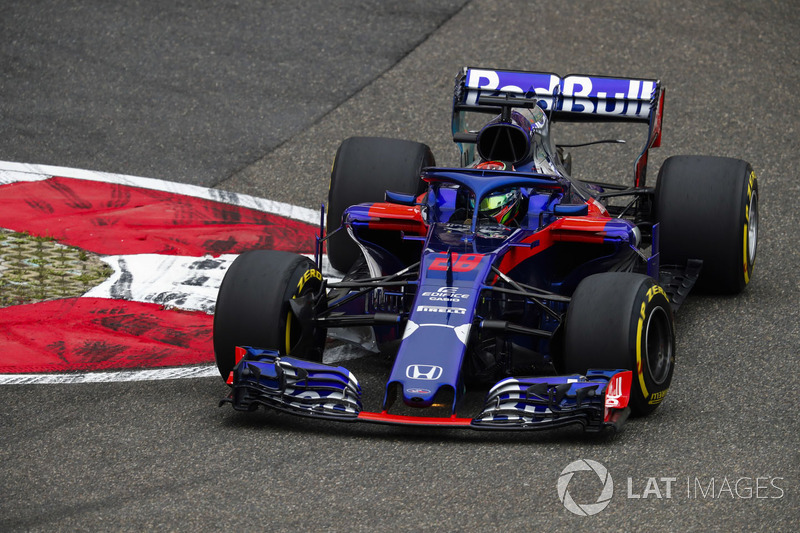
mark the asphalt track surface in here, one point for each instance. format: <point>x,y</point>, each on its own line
<point>255,98</point>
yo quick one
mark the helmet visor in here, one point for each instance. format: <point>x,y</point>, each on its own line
<point>492,203</point>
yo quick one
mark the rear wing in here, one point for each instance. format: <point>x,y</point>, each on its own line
<point>574,98</point>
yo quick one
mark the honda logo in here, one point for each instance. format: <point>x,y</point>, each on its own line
<point>426,372</point>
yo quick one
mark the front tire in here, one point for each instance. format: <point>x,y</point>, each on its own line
<point>253,306</point>
<point>623,320</point>
<point>363,170</point>
<point>707,208</point>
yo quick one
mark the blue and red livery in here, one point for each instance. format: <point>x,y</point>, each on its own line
<point>565,314</point>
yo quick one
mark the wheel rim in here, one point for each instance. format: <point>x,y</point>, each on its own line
<point>752,228</point>
<point>658,341</point>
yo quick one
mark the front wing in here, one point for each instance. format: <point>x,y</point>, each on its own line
<point>597,400</point>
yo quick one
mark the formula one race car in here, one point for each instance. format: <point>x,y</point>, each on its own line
<point>555,294</point>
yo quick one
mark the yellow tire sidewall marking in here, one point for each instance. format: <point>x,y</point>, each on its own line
<point>746,237</point>
<point>639,366</point>
<point>311,273</point>
<point>651,293</point>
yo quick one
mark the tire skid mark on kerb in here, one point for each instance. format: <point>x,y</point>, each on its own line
<point>121,289</point>
<point>187,283</point>
<point>122,285</point>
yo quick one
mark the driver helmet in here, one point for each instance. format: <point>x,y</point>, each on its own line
<point>502,205</point>
<point>494,165</point>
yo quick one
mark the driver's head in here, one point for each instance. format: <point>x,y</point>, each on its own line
<point>502,205</point>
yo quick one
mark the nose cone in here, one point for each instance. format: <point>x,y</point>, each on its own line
<point>428,364</point>
<point>439,396</point>
<point>418,397</point>
<point>421,384</point>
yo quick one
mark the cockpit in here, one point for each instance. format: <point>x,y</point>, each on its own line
<point>517,140</point>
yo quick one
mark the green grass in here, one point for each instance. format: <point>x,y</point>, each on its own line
<point>35,269</point>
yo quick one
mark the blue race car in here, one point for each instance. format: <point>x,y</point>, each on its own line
<point>507,274</point>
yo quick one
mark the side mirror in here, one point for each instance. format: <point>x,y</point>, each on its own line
<point>400,198</point>
<point>571,210</point>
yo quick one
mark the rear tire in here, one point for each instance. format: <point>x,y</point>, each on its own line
<point>623,320</point>
<point>707,208</point>
<point>363,170</point>
<point>253,306</point>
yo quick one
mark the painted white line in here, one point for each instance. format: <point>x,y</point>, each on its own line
<point>111,377</point>
<point>188,283</point>
<point>335,355</point>
<point>12,172</point>
<point>183,282</point>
